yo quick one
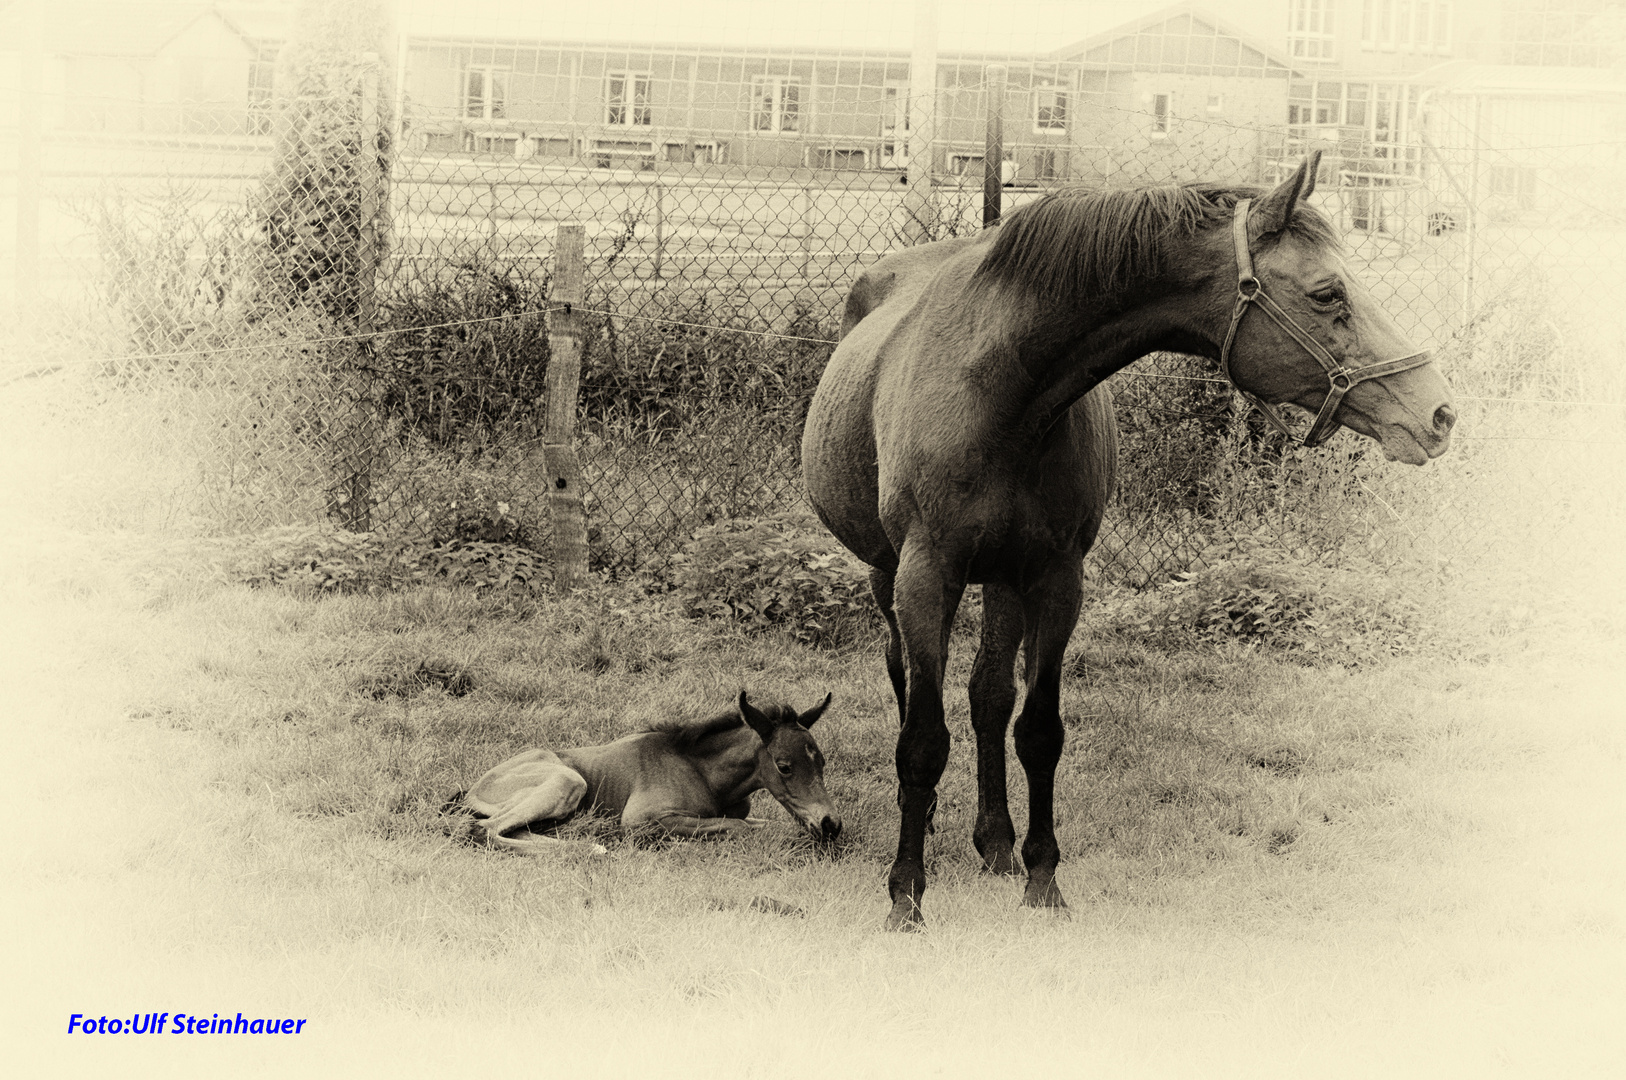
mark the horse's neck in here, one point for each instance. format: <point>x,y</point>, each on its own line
<point>730,764</point>
<point>1063,365</point>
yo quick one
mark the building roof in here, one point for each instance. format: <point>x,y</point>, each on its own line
<point>1530,80</point>
<point>92,28</point>
<point>1121,44</point>
<point>1028,28</point>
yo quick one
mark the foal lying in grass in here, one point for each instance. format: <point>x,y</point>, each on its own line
<point>691,779</point>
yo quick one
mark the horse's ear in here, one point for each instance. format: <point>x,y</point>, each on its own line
<point>807,719</point>
<point>758,721</point>
<point>1272,212</point>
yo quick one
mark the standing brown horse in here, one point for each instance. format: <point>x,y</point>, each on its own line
<point>957,437</point>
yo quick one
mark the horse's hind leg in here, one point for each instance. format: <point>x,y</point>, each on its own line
<point>993,694</point>
<point>537,791</point>
<point>881,583</point>
<point>1051,609</point>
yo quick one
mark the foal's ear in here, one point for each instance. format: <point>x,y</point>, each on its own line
<point>807,718</point>
<point>759,721</point>
<point>1271,213</point>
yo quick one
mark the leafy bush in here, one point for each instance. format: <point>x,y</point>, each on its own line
<point>468,363</point>
<point>324,187</point>
<point>1314,614</point>
<point>691,360</point>
<point>341,562</point>
<point>770,574</point>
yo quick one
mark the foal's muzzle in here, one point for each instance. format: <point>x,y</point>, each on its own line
<point>828,829</point>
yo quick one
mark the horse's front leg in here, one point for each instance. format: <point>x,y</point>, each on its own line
<point>881,585</point>
<point>993,695</point>
<point>1051,608</point>
<point>926,596</point>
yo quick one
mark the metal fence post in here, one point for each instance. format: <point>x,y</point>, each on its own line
<point>356,510</point>
<point>807,227</point>
<point>993,148</point>
<point>921,216</point>
<point>562,384</point>
<point>660,226</point>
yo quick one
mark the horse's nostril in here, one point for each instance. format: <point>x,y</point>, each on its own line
<point>1445,417</point>
<point>830,827</point>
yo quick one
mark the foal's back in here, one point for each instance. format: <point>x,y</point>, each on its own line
<point>618,771</point>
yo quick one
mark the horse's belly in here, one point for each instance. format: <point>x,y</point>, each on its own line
<point>838,461</point>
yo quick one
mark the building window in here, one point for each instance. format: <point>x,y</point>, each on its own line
<point>699,153</point>
<point>1514,184</point>
<point>261,76</point>
<point>1414,26</point>
<point>1162,115</point>
<point>626,96</point>
<point>776,104</point>
<point>1355,105</point>
<point>895,109</point>
<point>485,93</point>
<point>1309,29</point>
<point>838,158</point>
<point>1319,109</point>
<point>622,154</point>
<point>1049,110</point>
<point>476,142</point>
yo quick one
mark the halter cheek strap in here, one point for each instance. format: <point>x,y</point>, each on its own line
<point>1250,292</point>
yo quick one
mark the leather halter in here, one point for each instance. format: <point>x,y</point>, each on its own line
<point>1249,291</point>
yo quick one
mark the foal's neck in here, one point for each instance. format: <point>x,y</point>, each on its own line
<point>730,764</point>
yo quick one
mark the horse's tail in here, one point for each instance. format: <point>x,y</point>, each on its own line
<point>455,805</point>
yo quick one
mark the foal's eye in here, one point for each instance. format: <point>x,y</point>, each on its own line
<point>784,768</point>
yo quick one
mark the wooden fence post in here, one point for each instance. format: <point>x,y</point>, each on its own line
<point>563,382</point>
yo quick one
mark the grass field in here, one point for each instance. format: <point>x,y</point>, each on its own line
<point>1412,868</point>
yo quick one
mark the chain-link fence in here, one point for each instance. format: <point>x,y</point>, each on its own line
<point>334,306</point>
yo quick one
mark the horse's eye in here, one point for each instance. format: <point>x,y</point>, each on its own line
<point>784,768</point>
<point>1328,296</point>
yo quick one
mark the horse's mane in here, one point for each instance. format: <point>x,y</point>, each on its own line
<point>1078,243</point>
<point>687,734</point>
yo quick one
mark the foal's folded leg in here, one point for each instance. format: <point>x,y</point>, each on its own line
<point>554,797</point>
<point>688,826</point>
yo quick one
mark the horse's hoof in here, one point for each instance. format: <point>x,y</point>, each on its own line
<point>1045,895</point>
<point>905,917</point>
<point>1001,862</point>
<point>600,849</point>
<point>905,924</point>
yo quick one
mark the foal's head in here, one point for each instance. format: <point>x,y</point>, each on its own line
<point>791,766</point>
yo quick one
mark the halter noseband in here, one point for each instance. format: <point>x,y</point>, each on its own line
<point>1249,290</point>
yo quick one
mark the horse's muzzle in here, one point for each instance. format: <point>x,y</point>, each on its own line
<point>828,829</point>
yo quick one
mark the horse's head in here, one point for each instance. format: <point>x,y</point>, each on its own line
<point>791,766</point>
<point>1319,339</point>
